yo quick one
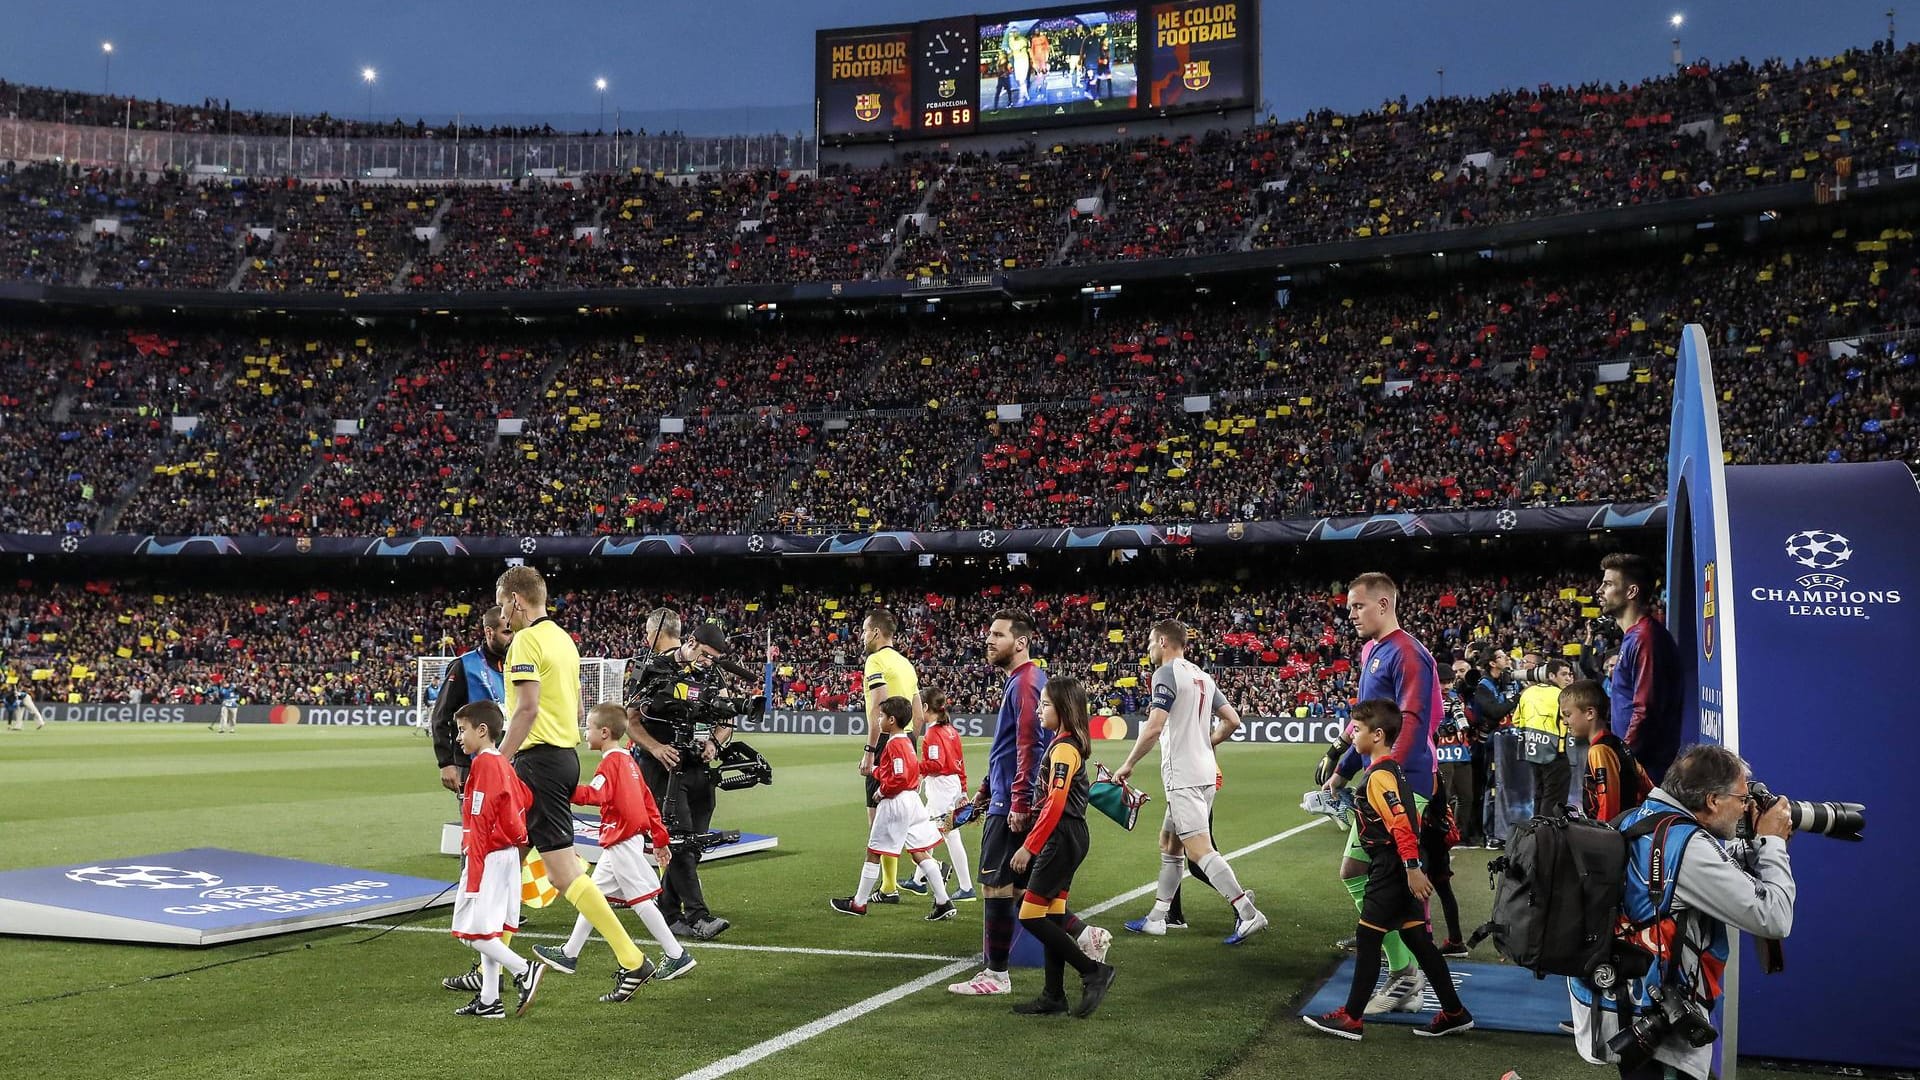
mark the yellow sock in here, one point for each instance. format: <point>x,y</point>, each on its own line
<point>506,938</point>
<point>889,873</point>
<point>588,900</point>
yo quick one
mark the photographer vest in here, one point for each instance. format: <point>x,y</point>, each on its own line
<point>1537,718</point>
<point>1695,942</point>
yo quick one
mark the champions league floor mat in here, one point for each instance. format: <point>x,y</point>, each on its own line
<point>1500,996</point>
<point>202,896</point>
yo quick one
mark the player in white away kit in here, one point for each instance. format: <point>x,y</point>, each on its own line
<point>1186,703</point>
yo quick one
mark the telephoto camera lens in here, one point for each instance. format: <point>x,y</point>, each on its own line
<point>1839,820</point>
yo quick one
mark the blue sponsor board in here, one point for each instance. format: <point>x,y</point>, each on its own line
<point>202,896</point>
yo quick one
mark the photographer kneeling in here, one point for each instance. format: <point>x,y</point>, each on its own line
<point>1688,875</point>
<point>680,725</point>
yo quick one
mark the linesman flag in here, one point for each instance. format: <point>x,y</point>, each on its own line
<point>535,890</point>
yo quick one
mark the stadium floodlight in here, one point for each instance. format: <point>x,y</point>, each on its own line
<point>1677,20</point>
<point>106,65</point>
<point>369,76</point>
<point>600,84</point>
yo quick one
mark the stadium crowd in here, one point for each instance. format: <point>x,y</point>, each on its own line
<point>1280,647</point>
<point>1401,168</point>
<point>1502,388</point>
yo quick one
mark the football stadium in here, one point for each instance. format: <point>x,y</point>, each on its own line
<point>1099,544</point>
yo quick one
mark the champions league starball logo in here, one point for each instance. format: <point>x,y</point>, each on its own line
<point>1824,592</point>
<point>144,877</point>
<point>1817,549</point>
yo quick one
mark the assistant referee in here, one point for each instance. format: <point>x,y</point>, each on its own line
<point>543,670</point>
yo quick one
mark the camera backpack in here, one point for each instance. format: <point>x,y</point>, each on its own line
<point>1557,903</point>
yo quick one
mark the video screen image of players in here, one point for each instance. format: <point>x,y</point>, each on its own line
<point>1060,65</point>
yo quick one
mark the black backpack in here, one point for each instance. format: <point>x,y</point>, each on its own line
<point>1557,898</point>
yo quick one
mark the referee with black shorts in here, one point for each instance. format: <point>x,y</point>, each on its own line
<point>543,676</point>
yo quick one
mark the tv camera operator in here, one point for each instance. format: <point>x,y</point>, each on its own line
<point>681,719</point>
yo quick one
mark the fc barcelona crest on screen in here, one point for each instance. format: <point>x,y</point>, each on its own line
<point>1196,74</point>
<point>867,107</point>
<point>1706,611</point>
<point>949,88</point>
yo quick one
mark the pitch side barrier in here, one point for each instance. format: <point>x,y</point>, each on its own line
<point>1253,729</point>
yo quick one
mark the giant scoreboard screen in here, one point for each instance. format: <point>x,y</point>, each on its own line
<point>1088,63</point>
<point>864,82</point>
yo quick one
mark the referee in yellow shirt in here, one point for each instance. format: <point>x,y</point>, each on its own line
<point>543,671</point>
<point>888,674</point>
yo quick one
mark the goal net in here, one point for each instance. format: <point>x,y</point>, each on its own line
<point>602,678</point>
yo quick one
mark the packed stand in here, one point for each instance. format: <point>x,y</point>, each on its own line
<point>462,379</point>
<point>44,210</point>
<point>349,239</point>
<point>223,479</point>
<point>501,237</point>
<point>830,228</point>
<point>876,472</point>
<point>993,214</point>
<point>403,477</point>
<point>1279,649</point>
<point>657,232</point>
<point>1164,197</point>
<point>1058,467</point>
<point>173,233</point>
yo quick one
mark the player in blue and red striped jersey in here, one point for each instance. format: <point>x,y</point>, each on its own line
<point>1007,800</point>
<point>1393,667</point>
<point>1644,689</point>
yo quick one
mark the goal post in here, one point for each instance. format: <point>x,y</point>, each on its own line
<point>602,678</point>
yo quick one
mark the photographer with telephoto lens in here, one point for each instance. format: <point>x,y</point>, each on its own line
<point>1508,782</point>
<point>1689,881</point>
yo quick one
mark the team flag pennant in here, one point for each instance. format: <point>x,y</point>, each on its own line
<point>1117,800</point>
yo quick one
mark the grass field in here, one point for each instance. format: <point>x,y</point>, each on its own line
<point>333,1003</point>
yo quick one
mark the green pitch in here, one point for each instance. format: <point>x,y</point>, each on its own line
<point>335,1003</point>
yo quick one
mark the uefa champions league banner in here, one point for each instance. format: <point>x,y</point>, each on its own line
<point>1824,579</point>
<point>1534,519</point>
<point>1787,590</point>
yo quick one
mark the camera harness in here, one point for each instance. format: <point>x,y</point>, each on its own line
<point>1663,869</point>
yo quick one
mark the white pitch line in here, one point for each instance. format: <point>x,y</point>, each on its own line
<point>787,1040</point>
<point>1135,894</point>
<point>703,945</point>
